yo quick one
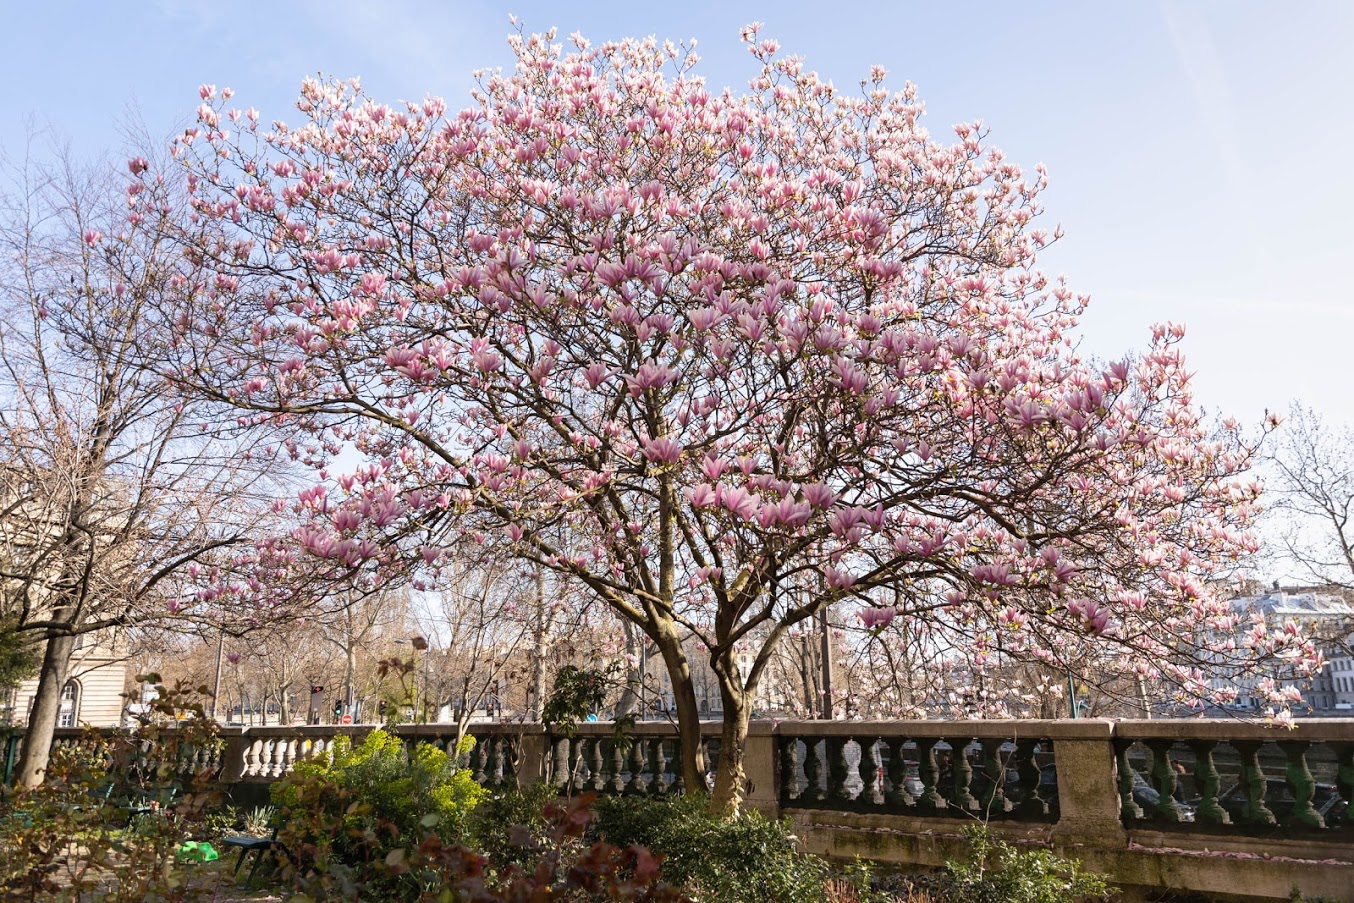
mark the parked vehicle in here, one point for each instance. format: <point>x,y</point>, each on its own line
<point>1326,800</point>
<point>1144,794</point>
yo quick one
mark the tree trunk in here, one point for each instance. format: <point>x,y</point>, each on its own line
<point>688,713</point>
<point>805,672</point>
<point>730,778</point>
<point>634,673</point>
<point>37,746</point>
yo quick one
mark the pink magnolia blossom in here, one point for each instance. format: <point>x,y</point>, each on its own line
<point>662,450</point>
<point>872,618</point>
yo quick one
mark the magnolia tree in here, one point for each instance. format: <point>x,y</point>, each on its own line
<point>725,359</point>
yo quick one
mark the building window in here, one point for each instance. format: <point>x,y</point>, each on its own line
<point>70,704</point>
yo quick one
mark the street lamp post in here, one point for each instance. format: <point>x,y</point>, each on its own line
<point>220,653</point>
<point>426,657</point>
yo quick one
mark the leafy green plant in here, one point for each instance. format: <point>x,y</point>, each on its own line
<point>344,812</point>
<point>563,867</point>
<point>996,872</point>
<point>258,821</point>
<point>338,846</point>
<point>744,859</point>
<point>222,822</point>
<point>509,824</point>
<point>18,658</point>
<point>577,692</point>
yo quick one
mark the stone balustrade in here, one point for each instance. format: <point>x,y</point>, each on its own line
<point>977,769</point>
<point>1220,777</point>
<point>1221,807</point>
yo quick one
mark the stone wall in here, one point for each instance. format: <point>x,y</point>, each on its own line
<point>1226,808</point>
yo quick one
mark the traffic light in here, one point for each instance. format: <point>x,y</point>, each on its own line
<point>315,688</point>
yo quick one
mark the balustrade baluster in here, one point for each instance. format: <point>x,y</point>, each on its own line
<point>616,762</point>
<point>580,771</point>
<point>929,769</point>
<point>597,780</point>
<point>994,800</point>
<point>1344,776</point>
<point>1032,803</point>
<point>813,793</point>
<point>871,772</point>
<point>896,795</point>
<point>493,761</point>
<point>1301,784</point>
<point>1254,783</point>
<point>713,749</point>
<point>270,757</point>
<point>479,757</point>
<point>559,762</point>
<point>210,757</point>
<point>265,757</point>
<point>962,773</point>
<point>1206,780</point>
<point>252,759</point>
<point>635,785</point>
<point>578,763</point>
<point>658,764</point>
<point>674,768</point>
<point>677,783</point>
<point>789,780</point>
<point>837,770</point>
<point>1163,781</point>
<point>288,748</point>
<point>183,759</point>
<point>1129,810</point>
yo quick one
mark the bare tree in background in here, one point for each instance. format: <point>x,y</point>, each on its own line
<point>354,625</point>
<point>490,621</point>
<point>115,493</point>
<point>1313,496</point>
<point>1312,510</point>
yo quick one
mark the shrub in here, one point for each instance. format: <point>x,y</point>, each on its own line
<point>258,821</point>
<point>996,872</point>
<point>339,849</point>
<point>359,803</point>
<point>562,867</point>
<point>510,824</point>
<point>744,859</point>
<point>222,822</point>
<point>71,833</point>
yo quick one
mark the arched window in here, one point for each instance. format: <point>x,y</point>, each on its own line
<point>70,704</point>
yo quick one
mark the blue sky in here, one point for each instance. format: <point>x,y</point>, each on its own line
<point>1198,151</point>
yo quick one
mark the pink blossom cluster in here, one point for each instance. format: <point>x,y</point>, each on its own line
<point>723,357</point>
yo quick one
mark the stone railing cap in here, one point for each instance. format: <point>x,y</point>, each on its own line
<point>1071,729</point>
<point>1222,729</point>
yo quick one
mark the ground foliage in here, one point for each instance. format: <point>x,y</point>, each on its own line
<point>109,818</point>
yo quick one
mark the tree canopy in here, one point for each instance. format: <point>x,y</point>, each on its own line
<point>725,358</point>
